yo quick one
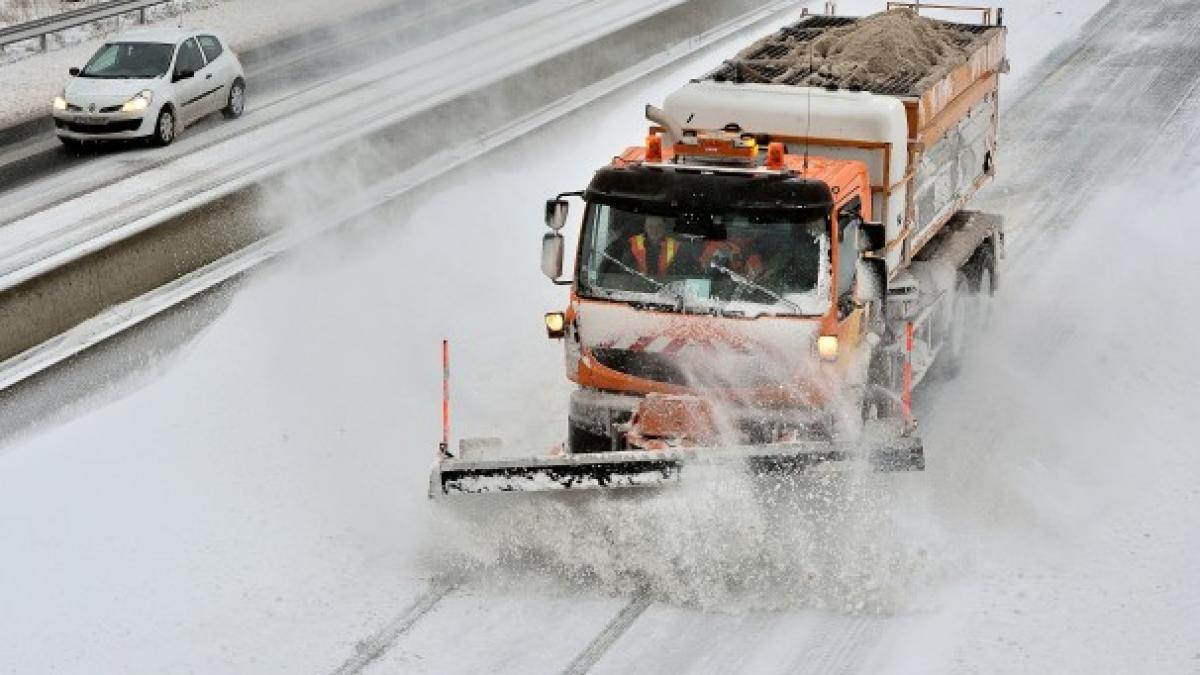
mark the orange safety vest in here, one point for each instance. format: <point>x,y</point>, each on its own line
<point>666,253</point>
<point>713,247</point>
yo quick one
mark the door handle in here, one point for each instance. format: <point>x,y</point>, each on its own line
<point>208,76</point>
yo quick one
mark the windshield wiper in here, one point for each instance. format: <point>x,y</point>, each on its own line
<point>747,283</point>
<point>658,285</point>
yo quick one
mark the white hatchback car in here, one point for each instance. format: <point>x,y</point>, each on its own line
<point>150,84</point>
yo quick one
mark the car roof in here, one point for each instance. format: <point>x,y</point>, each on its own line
<point>167,35</point>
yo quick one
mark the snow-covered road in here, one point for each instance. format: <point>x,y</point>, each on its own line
<point>256,502</point>
<point>275,73</point>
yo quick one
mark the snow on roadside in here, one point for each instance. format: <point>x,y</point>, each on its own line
<point>28,85</point>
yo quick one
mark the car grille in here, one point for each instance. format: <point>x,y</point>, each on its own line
<point>110,128</point>
<point>112,109</point>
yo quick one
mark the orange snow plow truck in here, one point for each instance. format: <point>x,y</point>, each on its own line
<point>769,276</point>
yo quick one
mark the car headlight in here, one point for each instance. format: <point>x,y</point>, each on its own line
<point>60,103</point>
<point>139,102</point>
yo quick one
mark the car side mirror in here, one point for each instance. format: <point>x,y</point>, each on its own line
<point>556,213</point>
<point>184,75</point>
<point>74,72</point>
<point>552,255</point>
<point>872,237</point>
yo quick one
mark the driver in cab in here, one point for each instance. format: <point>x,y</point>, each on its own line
<point>655,251</point>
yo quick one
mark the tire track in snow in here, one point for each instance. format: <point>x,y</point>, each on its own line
<point>607,637</point>
<point>1114,88</point>
<point>840,646</point>
<point>371,649</point>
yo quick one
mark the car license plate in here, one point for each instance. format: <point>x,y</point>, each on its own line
<point>84,119</point>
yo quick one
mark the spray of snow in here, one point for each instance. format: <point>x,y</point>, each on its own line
<point>720,541</point>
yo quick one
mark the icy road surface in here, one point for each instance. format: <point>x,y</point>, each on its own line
<point>257,504</point>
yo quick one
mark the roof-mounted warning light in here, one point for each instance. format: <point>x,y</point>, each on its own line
<point>654,150</point>
<point>775,156</point>
<point>717,147</point>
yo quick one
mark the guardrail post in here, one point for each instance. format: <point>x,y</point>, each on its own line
<point>142,16</point>
<point>42,41</point>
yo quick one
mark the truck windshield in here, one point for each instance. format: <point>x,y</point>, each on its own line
<point>732,263</point>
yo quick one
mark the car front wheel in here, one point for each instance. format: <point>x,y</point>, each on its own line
<point>164,128</point>
<point>237,101</point>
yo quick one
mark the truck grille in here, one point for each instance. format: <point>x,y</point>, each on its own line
<point>672,369</point>
<point>646,365</point>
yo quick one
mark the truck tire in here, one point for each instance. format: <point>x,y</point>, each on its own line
<point>582,440</point>
<point>981,273</point>
<point>954,343</point>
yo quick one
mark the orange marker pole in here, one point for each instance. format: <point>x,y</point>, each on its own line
<point>444,447</point>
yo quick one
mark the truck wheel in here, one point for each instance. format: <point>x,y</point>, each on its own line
<point>981,272</point>
<point>581,440</point>
<point>954,343</point>
<point>881,379</point>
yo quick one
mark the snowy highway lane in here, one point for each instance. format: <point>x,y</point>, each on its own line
<point>275,73</point>
<point>257,503</point>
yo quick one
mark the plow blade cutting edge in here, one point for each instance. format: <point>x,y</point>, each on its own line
<point>649,468</point>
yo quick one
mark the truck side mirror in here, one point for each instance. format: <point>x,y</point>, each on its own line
<point>552,255</point>
<point>873,237</point>
<point>556,213</point>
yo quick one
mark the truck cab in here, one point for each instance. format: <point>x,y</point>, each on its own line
<point>717,294</point>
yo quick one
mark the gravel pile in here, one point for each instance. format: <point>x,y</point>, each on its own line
<point>875,52</point>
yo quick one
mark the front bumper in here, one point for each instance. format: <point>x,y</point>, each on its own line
<point>102,126</point>
<point>883,447</point>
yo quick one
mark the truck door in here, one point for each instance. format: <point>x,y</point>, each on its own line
<point>849,218</point>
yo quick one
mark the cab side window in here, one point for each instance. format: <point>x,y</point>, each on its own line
<point>849,217</point>
<point>211,46</point>
<point>190,58</point>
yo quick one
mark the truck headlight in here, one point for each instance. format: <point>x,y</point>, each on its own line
<point>827,347</point>
<point>60,103</point>
<point>139,102</point>
<point>556,324</point>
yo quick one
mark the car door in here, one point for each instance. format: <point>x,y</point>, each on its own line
<point>218,72</point>
<point>190,91</point>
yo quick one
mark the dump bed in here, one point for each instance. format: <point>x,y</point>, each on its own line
<point>913,98</point>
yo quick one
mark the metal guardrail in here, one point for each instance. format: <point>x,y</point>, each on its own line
<point>42,28</point>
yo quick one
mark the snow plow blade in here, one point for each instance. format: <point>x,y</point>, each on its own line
<point>651,468</point>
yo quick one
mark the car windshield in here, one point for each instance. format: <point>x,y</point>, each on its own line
<point>735,263</point>
<point>129,60</point>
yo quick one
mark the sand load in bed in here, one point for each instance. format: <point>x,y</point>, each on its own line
<point>894,52</point>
